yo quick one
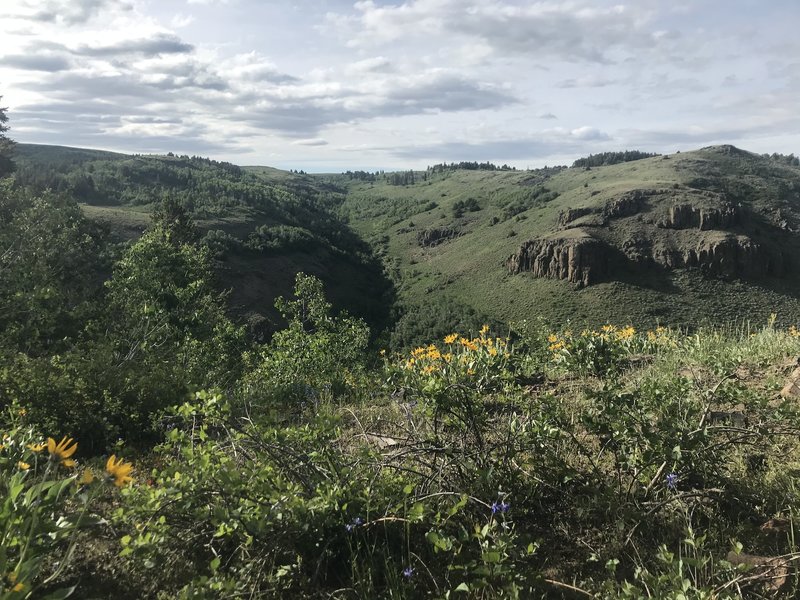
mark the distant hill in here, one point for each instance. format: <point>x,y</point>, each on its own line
<point>710,235</point>
<point>265,225</point>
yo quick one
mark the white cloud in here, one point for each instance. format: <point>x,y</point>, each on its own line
<point>447,79</point>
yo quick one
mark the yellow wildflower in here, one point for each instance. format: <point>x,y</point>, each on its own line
<point>470,372</point>
<point>793,331</point>
<point>119,470</point>
<point>608,328</point>
<point>492,351</point>
<point>447,357</point>
<point>19,587</point>
<point>434,354</point>
<point>625,333</point>
<point>552,338</point>
<point>450,338</point>
<point>37,447</point>
<point>22,412</point>
<point>62,451</point>
<point>86,478</point>
<point>23,465</point>
<point>382,352</point>
<point>417,352</point>
<point>484,330</point>
<point>469,344</point>
<point>428,370</point>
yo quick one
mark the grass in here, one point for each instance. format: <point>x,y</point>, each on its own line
<point>515,206</point>
<point>469,268</point>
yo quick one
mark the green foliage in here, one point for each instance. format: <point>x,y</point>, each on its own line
<point>49,262</point>
<point>612,158</point>
<point>317,357</point>
<point>43,508</point>
<point>420,323</point>
<point>6,145</point>
<point>462,206</point>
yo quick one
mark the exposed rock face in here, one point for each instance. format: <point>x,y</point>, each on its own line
<point>571,214</point>
<point>626,205</point>
<point>579,259</point>
<point>686,216</point>
<point>725,255</point>
<point>433,237</point>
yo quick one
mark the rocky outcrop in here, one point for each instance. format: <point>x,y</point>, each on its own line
<point>577,258</point>
<point>686,216</point>
<point>433,237</point>
<point>628,204</point>
<point>724,255</point>
<point>565,217</point>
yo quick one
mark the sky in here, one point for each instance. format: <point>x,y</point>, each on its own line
<point>331,85</point>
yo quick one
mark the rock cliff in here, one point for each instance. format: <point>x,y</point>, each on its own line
<point>724,255</point>
<point>578,258</point>
<point>433,237</point>
<point>687,216</point>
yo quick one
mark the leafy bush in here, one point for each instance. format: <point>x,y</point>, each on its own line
<point>318,356</point>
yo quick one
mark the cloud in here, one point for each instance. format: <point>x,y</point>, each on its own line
<point>252,67</point>
<point>377,64</point>
<point>304,109</point>
<point>160,43</point>
<point>589,133</point>
<point>546,115</point>
<point>575,31</point>
<point>32,62</point>
<point>591,81</point>
<point>310,142</point>
<point>535,146</point>
<point>66,12</point>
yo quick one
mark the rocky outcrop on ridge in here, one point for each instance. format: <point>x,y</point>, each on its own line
<point>578,258</point>
<point>724,255</point>
<point>687,216</point>
<point>433,237</point>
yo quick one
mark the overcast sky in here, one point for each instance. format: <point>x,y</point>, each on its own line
<point>330,85</point>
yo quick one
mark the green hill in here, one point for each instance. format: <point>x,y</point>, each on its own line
<point>703,236</point>
<point>264,225</point>
<point>700,237</point>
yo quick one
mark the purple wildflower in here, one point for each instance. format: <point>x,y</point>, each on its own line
<point>408,572</point>
<point>358,521</point>
<point>672,481</point>
<point>500,507</point>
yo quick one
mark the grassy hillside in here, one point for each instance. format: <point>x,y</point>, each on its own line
<point>264,225</point>
<point>466,266</point>
<point>542,461</point>
<point>444,240</point>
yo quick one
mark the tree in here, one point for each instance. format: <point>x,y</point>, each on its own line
<point>6,145</point>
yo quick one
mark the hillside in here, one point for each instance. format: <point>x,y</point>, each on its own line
<point>686,239</point>
<point>703,236</point>
<point>264,225</point>
<point>537,460</point>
